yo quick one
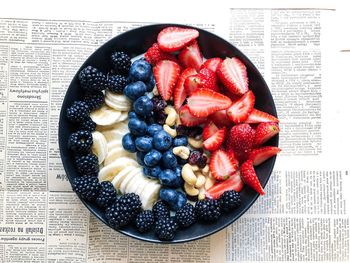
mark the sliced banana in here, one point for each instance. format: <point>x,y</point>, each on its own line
<point>118,179</point>
<point>117,152</point>
<point>105,116</point>
<point>108,172</point>
<point>136,173</point>
<point>123,116</point>
<point>114,134</point>
<point>150,195</point>
<point>120,125</point>
<point>113,144</point>
<point>118,102</point>
<point>137,184</point>
<point>99,146</point>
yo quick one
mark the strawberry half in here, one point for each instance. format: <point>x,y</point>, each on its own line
<point>211,64</point>
<point>188,119</point>
<point>191,56</point>
<point>154,54</point>
<point>174,38</point>
<point>191,84</point>
<point>215,141</point>
<point>179,91</point>
<point>233,183</point>
<point>208,79</point>
<point>250,178</point>
<point>209,129</point>
<point>220,119</point>
<point>257,116</point>
<point>241,140</point>
<point>241,108</point>
<point>265,131</point>
<point>260,155</point>
<point>233,74</point>
<point>204,102</point>
<point>166,73</point>
<point>222,165</point>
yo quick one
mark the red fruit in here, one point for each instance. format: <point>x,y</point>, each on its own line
<point>257,116</point>
<point>233,183</point>
<point>188,119</point>
<point>250,178</point>
<point>220,119</point>
<point>211,64</point>
<point>222,165</point>
<point>215,141</point>
<point>209,129</point>
<point>174,38</point>
<point>265,131</point>
<point>260,155</point>
<point>204,102</point>
<point>208,79</point>
<point>233,74</point>
<point>154,54</point>
<point>166,73</point>
<point>191,56</point>
<point>241,140</point>
<point>241,108</point>
<point>191,84</point>
<point>179,91</point>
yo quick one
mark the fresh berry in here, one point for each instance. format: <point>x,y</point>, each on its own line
<point>87,164</point>
<point>189,119</point>
<point>174,38</point>
<point>257,116</point>
<point>191,56</point>
<point>233,74</point>
<point>137,127</point>
<point>208,79</point>
<point>234,182</point>
<point>241,140</point>
<point>168,178</point>
<point>135,90</point>
<point>221,119</point>
<point>128,142</point>
<point>140,70</point>
<point>194,157</point>
<point>160,210</point>
<point>180,91</point>
<point>158,103</point>
<point>94,99</point>
<point>222,165</point>
<point>250,178</point>
<point>166,73</point>
<point>211,63</point>
<point>151,83</point>
<point>86,187</point>
<point>78,112</point>
<point>194,131</point>
<point>144,221</point>
<point>168,195</point>
<point>207,210</point>
<point>92,79</point>
<point>151,172</point>
<point>202,161</point>
<point>117,83</point>
<point>144,143</point>
<point>140,156</point>
<point>166,228</point>
<point>169,159</point>
<point>204,102</point>
<point>260,155</point>
<point>107,195</point>
<point>241,108</point>
<point>88,125</point>
<point>143,106</point>
<point>182,130</point>
<point>162,141</point>
<point>132,202</point>
<point>153,129</point>
<point>185,216</point>
<point>229,200</point>
<point>215,141</point>
<point>160,117</point>
<point>181,198</point>
<point>265,131</point>
<point>191,84</point>
<point>80,142</point>
<point>121,62</point>
<point>154,54</point>
<point>180,141</point>
<point>209,129</point>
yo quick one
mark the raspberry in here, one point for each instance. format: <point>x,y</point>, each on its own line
<point>155,54</point>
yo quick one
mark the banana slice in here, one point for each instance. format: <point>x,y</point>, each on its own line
<point>118,179</point>
<point>117,152</point>
<point>136,173</point>
<point>150,195</point>
<point>115,134</point>
<point>120,125</point>
<point>123,116</point>
<point>108,172</point>
<point>114,144</point>
<point>137,184</point>
<point>118,102</point>
<point>99,146</point>
<point>105,116</point>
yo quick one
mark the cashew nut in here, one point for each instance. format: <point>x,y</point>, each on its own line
<point>209,182</point>
<point>201,194</point>
<point>200,180</point>
<point>182,151</point>
<point>172,115</point>
<point>172,132</point>
<point>205,170</point>
<point>155,91</point>
<point>195,168</point>
<point>190,190</point>
<point>178,121</point>
<point>195,143</point>
<point>188,175</point>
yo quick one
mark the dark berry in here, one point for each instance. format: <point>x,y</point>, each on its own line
<point>182,130</point>
<point>166,228</point>
<point>158,103</point>
<point>88,125</point>
<point>94,99</point>
<point>160,117</point>
<point>160,210</point>
<point>80,142</point>
<point>208,210</point>
<point>194,131</point>
<point>194,157</point>
<point>132,201</point>
<point>117,83</point>
<point>87,187</point>
<point>118,215</point>
<point>87,164</point>
<point>107,195</point>
<point>145,221</point>
<point>78,112</point>
<point>186,216</point>
<point>202,161</point>
<point>92,79</point>
<point>229,201</point>
<point>121,62</point>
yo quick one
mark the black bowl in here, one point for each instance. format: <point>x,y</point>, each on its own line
<point>136,42</point>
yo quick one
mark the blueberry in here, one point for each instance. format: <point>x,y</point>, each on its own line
<point>135,90</point>
<point>162,141</point>
<point>169,160</point>
<point>180,141</point>
<point>150,83</point>
<point>137,127</point>
<point>170,196</point>
<point>180,181</point>
<point>181,201</point>
<point>153,129</point>
<point>140,157</point>
<point>144,143</point>
<point>152,172</point>
<point>128,142</point>
<point>140,70</point>
<point>152,158</point>
<point>168,178</point>
<point>132,115</point>
<point>143,106</point>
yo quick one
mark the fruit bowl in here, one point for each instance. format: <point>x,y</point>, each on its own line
<point>136,42</point>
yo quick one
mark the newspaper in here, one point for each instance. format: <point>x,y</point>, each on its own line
<point>304,215</point>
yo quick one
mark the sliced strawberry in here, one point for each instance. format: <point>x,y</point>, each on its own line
<point>209,129</point>
<point>204,102</point>
<point>191,84</point>
<point>154,54</point>
<point>233,74</point>
<point>265,131</point>
<point>166,73</point>
<point>257,116</point>
<point>220,119</point>
<point>208,79</point>
<point>191,56</point>
<point>260,155</point>
<point>179,91</point>
<point>241,140</point>
<point>174,38</point>
<point>241,108</point>
<point>250,178</point>
<point>233,183</point>
<point>211,64</point>
<point>222,165</point>
<point>188,119</point>
<point>215,141</point>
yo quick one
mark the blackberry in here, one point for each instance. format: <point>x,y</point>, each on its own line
<point>182,130</point>
<point>92,79</point>
<point>186,216</point>
<point>160,210</point>
<point>158,103</point>
<point>118,215</point>
<point>107,195</point>
<point>194,157</point>
<point>132,201</point>
<point>117,83</point>
<point>229,201</point>
<point>94,99</point>
<point>87,187</point>
<point>78,111</point>
<point>144,221</point>
<point>87,164</point>
<point>80,142</point>
<point>121,62</point>
<point>160,117</point>
<point>166,228</point>
<point>208,210</point>
<point>88,125</point>
<point>194,131</point>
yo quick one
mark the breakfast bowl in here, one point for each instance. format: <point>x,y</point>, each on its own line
<point>135,43</point>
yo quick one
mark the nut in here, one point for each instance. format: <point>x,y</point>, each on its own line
<point>190,190</point>
<point>178,121</point>
<point>209,182</point>
<point>155,91</point>
<point>201,194</point>
<point>182,151</point>
<point>197,144</point>
<point>200,180</point>
<point>172,115</point>
<point>188,174</point>
<point>205,170</point>
<point>195,168</point>
<point>172,132</point>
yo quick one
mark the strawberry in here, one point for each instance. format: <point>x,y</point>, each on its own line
<point>215,141</point>
<point>211,63</point>
<point>222,165</point>
<point>191,84</point>
<point>265,131</point>
<point>188,119</point>
<point>233,74</point>
<point>240,109</point>
<point>241,141</point>
<point>208,79</point>
<point>154,54</point>
<point>209,129</point>
<point>250,178</point>
<point>179,91</point>
<point>191,56</point>
<point>204,102</point>
<point>257,116</point>
<point>260,155</point>
<point>234,182</point>
<point>220,118</point>
<point>166,73</point>
<point>173,38</point>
